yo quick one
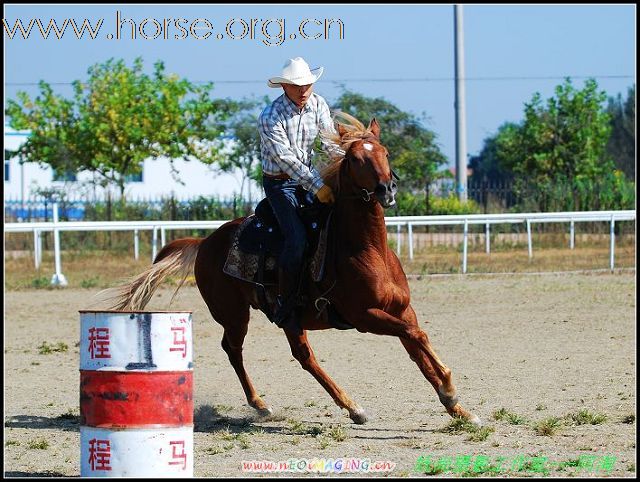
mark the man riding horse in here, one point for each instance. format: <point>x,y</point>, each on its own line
<point>288,129</point>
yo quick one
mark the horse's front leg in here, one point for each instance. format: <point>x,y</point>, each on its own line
<point>302,352</point>
<point>417,344</point>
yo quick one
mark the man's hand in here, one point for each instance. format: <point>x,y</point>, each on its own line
<point>325,194</point>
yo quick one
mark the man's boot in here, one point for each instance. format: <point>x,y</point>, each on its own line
<point>286,302</point>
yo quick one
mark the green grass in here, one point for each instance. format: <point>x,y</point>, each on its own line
<point>38,444</point>
<point>548,426</point>
<point>46,349</point>
<point>504,415</point>
<point>585,417</point>
<point>459,425</point>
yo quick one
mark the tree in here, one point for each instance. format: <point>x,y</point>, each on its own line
<point>621,145</point>
<point>413,152</point>
<point>565,139</point>
<point>486,166</point>
<point>118,118</point>
<point>244,154</point>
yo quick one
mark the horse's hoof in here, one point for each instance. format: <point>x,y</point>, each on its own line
<point>358,416</point>
<point>475,420</point>
<point>264,412</point>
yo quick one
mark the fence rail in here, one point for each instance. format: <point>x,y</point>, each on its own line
<point>160,227</point>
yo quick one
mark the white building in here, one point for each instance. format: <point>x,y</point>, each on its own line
<point>21,181</point>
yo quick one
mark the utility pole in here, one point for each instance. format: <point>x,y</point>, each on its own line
<point>461,132</point>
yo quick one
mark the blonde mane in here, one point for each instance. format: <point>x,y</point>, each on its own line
<point>354,131</point>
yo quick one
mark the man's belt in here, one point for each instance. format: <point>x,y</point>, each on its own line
<point>282,176</point>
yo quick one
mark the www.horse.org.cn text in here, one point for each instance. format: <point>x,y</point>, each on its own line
<point>271,31</point>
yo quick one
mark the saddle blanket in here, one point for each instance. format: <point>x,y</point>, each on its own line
<point>245,266</point>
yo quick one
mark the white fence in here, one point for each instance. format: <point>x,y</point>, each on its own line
<point>160,227</point>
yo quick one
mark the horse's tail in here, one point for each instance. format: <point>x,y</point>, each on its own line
<point>176,258</point>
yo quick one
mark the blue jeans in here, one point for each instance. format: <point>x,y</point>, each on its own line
<point>285,196</point>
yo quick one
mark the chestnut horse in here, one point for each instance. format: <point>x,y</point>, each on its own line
<point>379,302</point>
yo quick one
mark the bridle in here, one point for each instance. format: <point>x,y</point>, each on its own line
<point>366,195</point>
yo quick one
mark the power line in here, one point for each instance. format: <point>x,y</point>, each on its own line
<point>417,79</point>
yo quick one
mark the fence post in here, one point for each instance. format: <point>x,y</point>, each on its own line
<point>464,246</point>
<point>154,243</point>
<point>611,258</point>
<point>572,235</point>
<point>163,238</point>
<point>399,239</point>
<point>529,241</point>
<point>58,278</point>
<point>136,244</point>
<point>487,239</point>
<point>37,247</point>
<point>410,234</point>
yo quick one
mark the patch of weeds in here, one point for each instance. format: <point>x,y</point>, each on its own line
<point>35,363</point>
<point>338,433</point>
<point>309,404</point>
<point>505,415</point>
<point>240,438</point>
<point>223,408</point>
<point>541,406</point>
<point>500,415</point>
<point>631,467</point>
<point>459,424</point>
<point>585,417</point>
<point>41,444</point>
<point>46,349</point>
<point>480,434</point>
<point>299,428</point>
<point>548,426</point>
<point>295,441</point>
<point>11,442</point>
<point>515,419</point>
<point>214,450</point>
<point>323,442</point>
<point>568,463</point>
<point>40,282</point>
<point>628,418</point>
<point>90,282</point>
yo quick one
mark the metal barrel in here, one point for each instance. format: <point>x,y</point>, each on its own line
<point>136,394</point>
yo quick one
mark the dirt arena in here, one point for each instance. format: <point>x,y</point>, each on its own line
<point>526,347</point>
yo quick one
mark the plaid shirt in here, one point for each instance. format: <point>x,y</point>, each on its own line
<point>287,135</point>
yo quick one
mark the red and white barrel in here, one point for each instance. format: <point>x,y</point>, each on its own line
<point>136,394</point>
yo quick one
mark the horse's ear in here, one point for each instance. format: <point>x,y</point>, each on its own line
<point>341,130</point>
<point>374,127</point>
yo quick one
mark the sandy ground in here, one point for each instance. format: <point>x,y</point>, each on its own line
<point>537,346</point>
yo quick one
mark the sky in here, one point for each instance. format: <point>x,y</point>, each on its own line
<point>403,53</point>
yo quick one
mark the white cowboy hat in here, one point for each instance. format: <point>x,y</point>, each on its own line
<point>296,71</point>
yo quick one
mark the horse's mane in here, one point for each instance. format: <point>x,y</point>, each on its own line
<point>355,131</point>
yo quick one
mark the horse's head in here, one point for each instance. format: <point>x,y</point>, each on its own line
<point>365,166</point>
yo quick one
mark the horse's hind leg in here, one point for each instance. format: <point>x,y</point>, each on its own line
<point>443,385</point>
<point>302,352</point>
<point>232,340</point>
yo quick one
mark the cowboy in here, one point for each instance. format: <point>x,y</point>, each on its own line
<point>288,128</point>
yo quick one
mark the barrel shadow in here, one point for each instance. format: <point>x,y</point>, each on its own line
<point>65,422</point>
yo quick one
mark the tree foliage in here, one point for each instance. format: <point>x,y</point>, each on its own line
<point>622,143</point>
<point>413,152</point>
<point>118,118</point>
<point>557,155</point>
<point>244,152</point>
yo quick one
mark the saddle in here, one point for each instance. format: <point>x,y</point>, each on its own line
<point>258,243</point>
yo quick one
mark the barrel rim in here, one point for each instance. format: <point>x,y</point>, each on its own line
<point>134,312</point>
